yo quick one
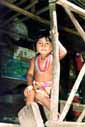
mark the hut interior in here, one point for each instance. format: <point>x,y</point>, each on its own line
<point>21,21</point>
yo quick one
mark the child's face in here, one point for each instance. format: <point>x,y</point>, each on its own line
<point>44,46</point>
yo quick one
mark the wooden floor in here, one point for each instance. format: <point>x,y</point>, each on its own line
<point>8,125</point>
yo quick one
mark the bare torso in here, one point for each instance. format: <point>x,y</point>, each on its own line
<point>44,76</point>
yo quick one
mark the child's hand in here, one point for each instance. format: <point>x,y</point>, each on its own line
<point>27,90</point>
<point>29,94</point>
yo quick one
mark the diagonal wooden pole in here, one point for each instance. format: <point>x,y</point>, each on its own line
<point>24,12</point>
<point>69,7</point>
<point>82,115</point>
<point>72,7</point>
<point>76,23</point>
<point>72,94</point>
<point>18,14</point>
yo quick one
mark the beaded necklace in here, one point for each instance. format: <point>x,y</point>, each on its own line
<point>46,63</point>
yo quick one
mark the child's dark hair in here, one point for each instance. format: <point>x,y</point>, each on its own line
<point>44,33</point>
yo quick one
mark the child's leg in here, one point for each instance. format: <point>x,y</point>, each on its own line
<point>44,100</point>
<point>29,94</point>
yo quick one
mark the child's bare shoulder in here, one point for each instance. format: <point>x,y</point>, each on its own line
<point>31,67</point>
<point>32,60</point>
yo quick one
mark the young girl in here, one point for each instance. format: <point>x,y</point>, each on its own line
<point>39,76</point>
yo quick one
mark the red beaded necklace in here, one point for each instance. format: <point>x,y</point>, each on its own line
<point>46,63</point>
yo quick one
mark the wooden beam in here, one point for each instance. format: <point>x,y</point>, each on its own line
<point>75,22</point>
<point>38,12</point>
<point>24,12</point>
<point>64,124</point>
<point>8,125</point>
<point>68,6</point>
<point>18,14</point>
<point>21,2</point>
<point>82,115</point>
<point>33,7</point>
<point>72,31</point>
<point>72,94</point>
<point>76,106</point>
<point>42,10</point>
<point>72,7</point>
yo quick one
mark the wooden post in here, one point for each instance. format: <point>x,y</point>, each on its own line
<point>72,94</point>
<point>82,115</point>
<point>56,64</point>
<point>68,6</point>
<point>72,7</point>
<point>76,23</point>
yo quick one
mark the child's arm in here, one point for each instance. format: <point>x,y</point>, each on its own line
<point>30,72</point>
<point>62,51</point>
<point>29,91</point>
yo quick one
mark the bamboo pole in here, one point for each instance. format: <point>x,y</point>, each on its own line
<point>72,7</point>
<point>82,115</point>
<point>8,125</point>
<point>42,10</point>
<point>38,13</point>
<point>76,23</point>
<point>65,124</point>
<point>76,106</point>
<point>72,94</point>
<point>18,14</point>
<point>19,2</point>
<point>24,12</point>
<point>72,31</point>
<point>56,63</point>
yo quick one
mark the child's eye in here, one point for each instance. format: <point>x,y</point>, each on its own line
<point>47,43</point>
<point>39,42</point>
